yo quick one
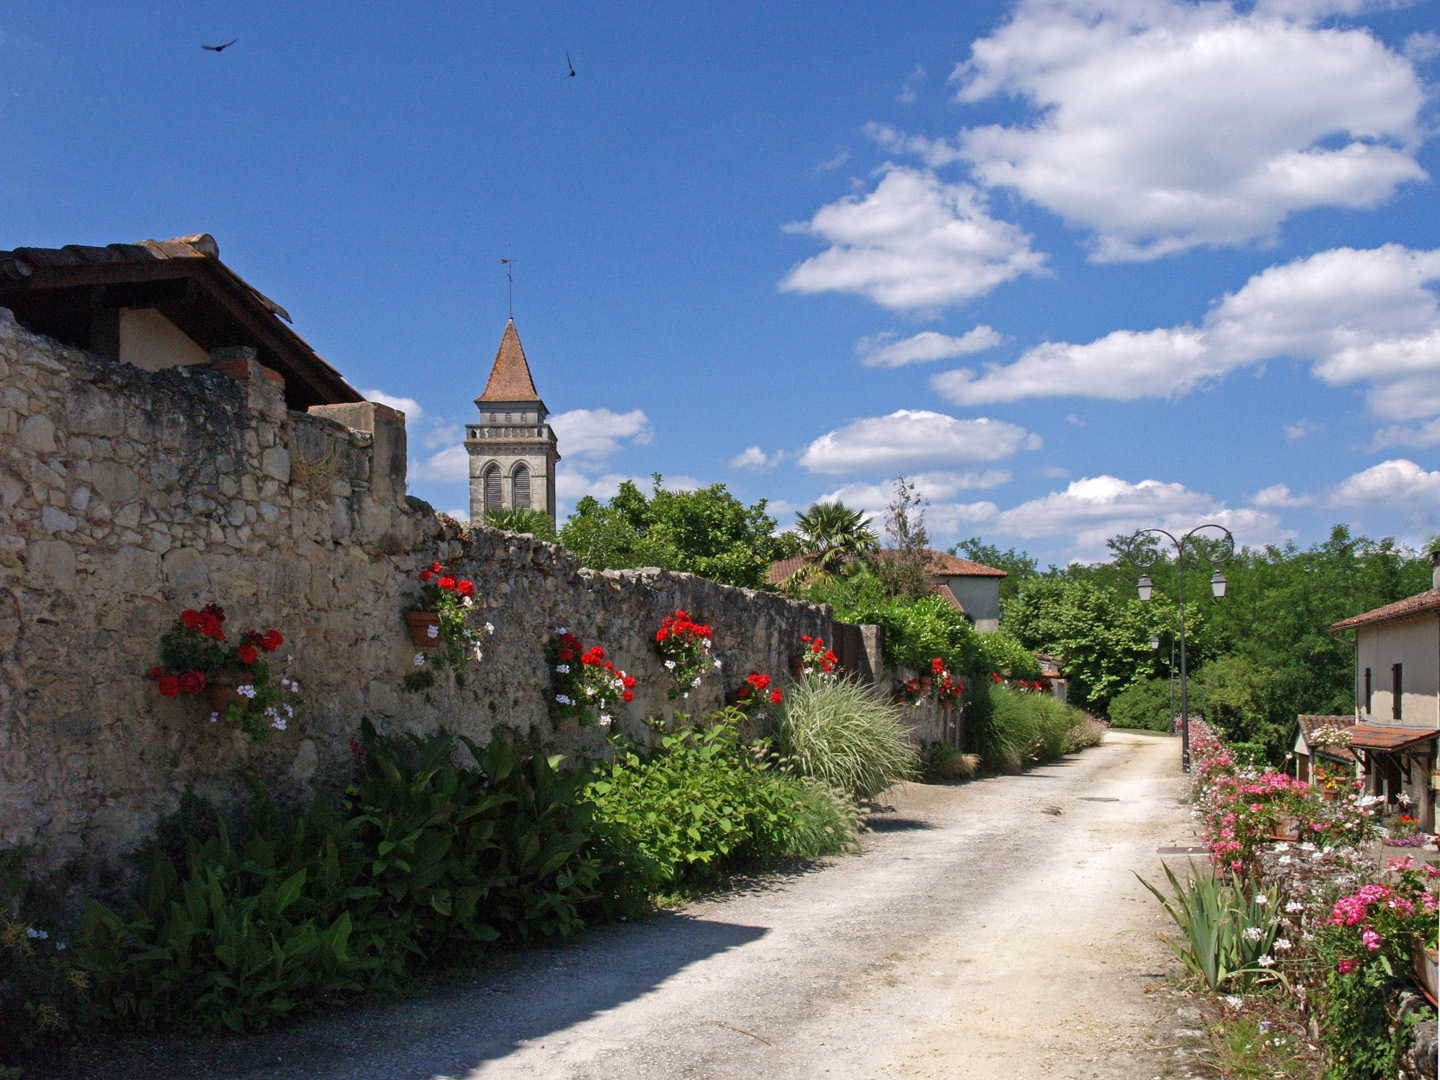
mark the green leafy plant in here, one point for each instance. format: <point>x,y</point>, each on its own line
<point>519,520</point>
<point>1010,728</point>
<point>940,762</point>
<point>844,733</point>
<point>1226,932</point>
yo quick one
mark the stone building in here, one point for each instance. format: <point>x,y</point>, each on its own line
<point>512,450</point>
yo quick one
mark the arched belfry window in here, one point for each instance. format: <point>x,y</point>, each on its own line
<point>493,499</point>
<point>522,487</point>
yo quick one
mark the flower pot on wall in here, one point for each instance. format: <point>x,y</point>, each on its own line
<point>1425,970</point>
<point>420,623</point>
<point>220,689</point>
<point>1287,828</point>
<point>926,682</point>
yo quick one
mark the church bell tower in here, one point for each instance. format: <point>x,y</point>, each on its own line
<point>512,449</point>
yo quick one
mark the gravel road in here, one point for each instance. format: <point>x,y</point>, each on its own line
<point>990,929</point>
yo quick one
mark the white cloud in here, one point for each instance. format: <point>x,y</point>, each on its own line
<point>1277,496</point>
<point>409,406</point>
<point>1399,485</point>
<point>1421,47</point>
<point>1163,125</point>
<point>937,153</point>
<point>571,485</point>
<point>881,351</point>
<point>752,457</point>
<point>1302,429</point>
<point>598,433</point>
<point>448,466</point>
<point>1093,509</point>
<point>914,438</point>
<point>915,242</point>
<point>1417,435</point>
<point>458,515</point>
<point>913,80</point>
<point>841,156</point>
<point>1356,316</point>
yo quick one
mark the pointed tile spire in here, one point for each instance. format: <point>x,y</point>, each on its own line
<point>510,377</point>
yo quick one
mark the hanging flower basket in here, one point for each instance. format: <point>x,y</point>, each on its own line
<point>421,634</point>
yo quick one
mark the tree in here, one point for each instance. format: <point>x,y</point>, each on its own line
<point>832,538</point>
<point>707,532</point>
<point>902,567</point>
<point>535,522</point>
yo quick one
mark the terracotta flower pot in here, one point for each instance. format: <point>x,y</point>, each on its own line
<point>220,689</point>
<point>1425,970</point>
<point>926,682</point>
<point>1287,828</point>
<point>797,666</point>
<point>420,623</point>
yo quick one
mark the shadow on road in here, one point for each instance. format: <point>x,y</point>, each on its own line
<point>448,1033</point>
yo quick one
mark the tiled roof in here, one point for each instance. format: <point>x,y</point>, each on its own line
<point>510,377</point>
<point>943,591</point>
<point>1401,609</point>
<point>1388,736</point>
<point>779,571</point>
<point>943,564</point>
<point>208,301</point>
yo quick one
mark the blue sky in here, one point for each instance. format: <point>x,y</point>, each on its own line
<point>1077,266</point>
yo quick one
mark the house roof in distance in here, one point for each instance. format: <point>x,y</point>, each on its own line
<point>1401,609</point>
<point>1310,723</point>
<point>937,564</point>
<point>510,376</point>
<point>57,291</point>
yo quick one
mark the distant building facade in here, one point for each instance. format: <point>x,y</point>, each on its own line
<point>512,449</point>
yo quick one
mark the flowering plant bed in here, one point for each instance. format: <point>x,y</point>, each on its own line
<point>909,691</point>
<point>451,602</point>
<point>587,687</point>
<point>685,645</point>
<point>815,660</point>
<point>197,658</point>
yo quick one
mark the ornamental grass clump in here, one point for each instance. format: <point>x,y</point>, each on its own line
<point>845,734</point>
<point>1023,727</point>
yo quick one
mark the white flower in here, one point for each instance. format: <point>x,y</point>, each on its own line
<point>589,691</point>
<point>246,691</point>
<point>563,669</point>
<point>553,629</point>
<point>278,723</point>
<point>604,720</point>
<point>695,683</point>
<point>705,642</point>
<point>1283,944</point>
<point>214,716</point>
<point>294,687</point>
<point>1307,846</point>
<point>1253,933</point>
<point>432,632</point>
<point>1284,860</point>
<point>467,601</point>
<point>1262,899</point>
<point>670,665</point>
<point>717,665</point>
<point>479,653</point>
<point>1266,961</point>
<point>419,659</point>
<point>1233,1001</point>
<point>59,945</point>
<point>489,627</point>
<point>31,932</point>
<point>1294,905</point>
<point>289,710</point>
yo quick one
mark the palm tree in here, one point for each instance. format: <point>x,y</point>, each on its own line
<point>535,522</point>
<point>832,537</point>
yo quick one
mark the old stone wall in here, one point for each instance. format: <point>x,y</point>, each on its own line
<point>127,496</point>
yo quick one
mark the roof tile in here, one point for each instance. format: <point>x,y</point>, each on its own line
<point>510,377</point>
<point>1401,609</point>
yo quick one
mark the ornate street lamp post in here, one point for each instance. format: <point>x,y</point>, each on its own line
<point>1215,555</point>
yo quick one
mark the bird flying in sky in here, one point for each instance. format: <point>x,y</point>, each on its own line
<point>222,48</point>
<point>569,64</point>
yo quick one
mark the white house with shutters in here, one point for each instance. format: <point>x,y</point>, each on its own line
<point>512,449</point>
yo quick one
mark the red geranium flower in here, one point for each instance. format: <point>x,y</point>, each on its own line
<point>566,655</point>
<point>447,583</point>
<point>629,682</point>
<point>155,672</point>
<point>628,695</point>
<point>661,634</point>
<point>169,686</point>
<point>775,697</point>
<point>937,665</point>
<point>426,575</point>
<point>190,617</point>
<point>466,588</point>
<point>271,641</point>
<point>210,626</point>
<point>435,568</point>
<point>193,682</point>
<point>248,654</point>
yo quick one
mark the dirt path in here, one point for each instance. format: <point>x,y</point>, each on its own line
<point>993,929</point>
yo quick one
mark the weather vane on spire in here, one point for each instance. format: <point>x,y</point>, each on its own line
<point>509,265</point>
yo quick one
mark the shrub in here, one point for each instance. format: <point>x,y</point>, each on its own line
<point>38,990</point>
<point>1010,728</point>
<point>1144,705</point>
<point>941,762</point>
<point>700,803</point>
<point>843,733</point>
<point>423,861</point>
<point>1089,732</point>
